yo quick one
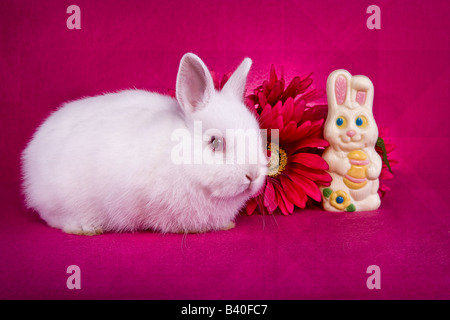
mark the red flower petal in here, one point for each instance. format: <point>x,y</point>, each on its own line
<point>392,162</point>
<point>265,118</point>
<point>307,76</point>
<point>277,110</point>
<point>308,186</point>
<point>224,80</point>
<point>264,88</point>
<point>316,128</point>
<point>310,160</point>
<point>251,206</point>
<point>299,109</point>
<point>277,116</point>
<point>262,99</point>
<point>288,110</point>
<point>303,129</point>
<point>215,79</point>
<point>293,194</point>
<point>251,101</point>
<point>292,89</point>
<point>312,142</point>
<point>280,202</point>
<point>304,84</point>
<point>172,93</point>
<point>288,205</point>
<point>269,197</point>
<point>384,187</point>
<point>273,76</point>
<point>274,93</point>
<point>319,176</point>
<point>386,174</point>
<point>288,132</point>
<point>390,147</point>
<point>282,79</point>
<point>315,113</point>
<point>313,95</point>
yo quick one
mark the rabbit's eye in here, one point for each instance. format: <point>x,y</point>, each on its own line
<point>361,121</point>
<point>217,143</point>
<point>341,122</point>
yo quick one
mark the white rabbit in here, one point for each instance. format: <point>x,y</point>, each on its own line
<point>103,164</point>
<point>351,130</point>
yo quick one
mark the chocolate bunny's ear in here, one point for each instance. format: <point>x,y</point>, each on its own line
<point>362,91</point>
<point>338,89</point>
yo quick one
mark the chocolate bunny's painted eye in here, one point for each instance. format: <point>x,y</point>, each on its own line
<point>361,121</point>
<point>341,122</point>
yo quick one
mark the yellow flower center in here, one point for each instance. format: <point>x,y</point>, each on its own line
<point>278,159</point>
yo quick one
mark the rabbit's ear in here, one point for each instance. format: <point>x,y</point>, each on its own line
<point>338,89</point>
<point>362,91</point>
<point>194,86</point>
<point>236,83</point>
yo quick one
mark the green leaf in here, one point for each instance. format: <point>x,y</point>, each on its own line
<point>327,192</point>
<point>350,208</point>
<point>380,143</point>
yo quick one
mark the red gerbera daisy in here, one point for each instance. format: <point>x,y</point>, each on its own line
<point>296,167</point>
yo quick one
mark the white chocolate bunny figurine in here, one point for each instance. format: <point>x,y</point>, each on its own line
<point>105,163</point>
<point>351,130</point>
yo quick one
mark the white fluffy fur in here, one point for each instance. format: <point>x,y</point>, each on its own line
<point>104,163</point>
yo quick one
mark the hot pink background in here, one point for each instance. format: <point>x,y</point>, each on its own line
<point>310,254</point>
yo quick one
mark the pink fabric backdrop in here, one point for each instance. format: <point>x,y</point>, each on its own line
<point>312,254</point>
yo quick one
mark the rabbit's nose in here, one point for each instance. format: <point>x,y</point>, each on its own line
<point>251,176</point>
<point>351,133</point>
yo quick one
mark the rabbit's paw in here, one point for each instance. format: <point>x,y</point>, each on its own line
<point>83,231</point>
<point>231,225</point>
<point>193,231</point>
